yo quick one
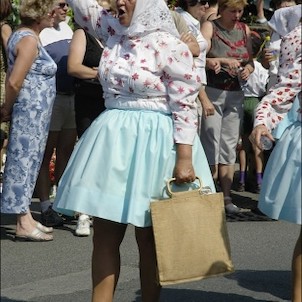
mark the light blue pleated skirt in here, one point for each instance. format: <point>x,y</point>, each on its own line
<point>280,196</point>
<point>120,164</point>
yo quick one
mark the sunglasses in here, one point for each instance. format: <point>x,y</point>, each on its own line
<point>62,5</point>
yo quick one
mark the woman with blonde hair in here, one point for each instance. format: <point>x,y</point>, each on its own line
<point>30,92</point>
<point>229,60</point>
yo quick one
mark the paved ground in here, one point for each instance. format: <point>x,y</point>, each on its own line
<point>59,271</point>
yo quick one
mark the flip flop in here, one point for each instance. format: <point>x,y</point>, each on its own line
<point>36,235</point>
<point>43,228</point>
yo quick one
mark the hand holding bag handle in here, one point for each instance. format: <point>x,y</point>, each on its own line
<point>190,235</point>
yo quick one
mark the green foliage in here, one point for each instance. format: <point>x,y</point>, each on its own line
<point>14,18</point>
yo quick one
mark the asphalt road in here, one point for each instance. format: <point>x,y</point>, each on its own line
<point>59,271</point>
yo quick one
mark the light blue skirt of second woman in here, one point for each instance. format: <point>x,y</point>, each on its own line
<point>120,164</point>
<point>280,196</point>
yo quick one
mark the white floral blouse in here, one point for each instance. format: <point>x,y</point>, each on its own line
<point>147,71</point>
<point>276,104</point>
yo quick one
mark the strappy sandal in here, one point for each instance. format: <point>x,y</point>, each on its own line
<point>43,228</point>
<point>36,235</point>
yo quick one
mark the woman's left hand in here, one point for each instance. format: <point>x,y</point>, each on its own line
<point>184,171</point>
<point>256,134</point>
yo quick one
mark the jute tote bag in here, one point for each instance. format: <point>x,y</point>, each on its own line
<point>191,237</point>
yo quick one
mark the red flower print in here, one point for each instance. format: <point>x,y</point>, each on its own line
<point>126,56</point>
<point>180,90</point>
<point>157,87</point>
<point>105,54</point>
<point>156,53</point>
<point>170,84</point>
<point>147,83</point>
<point>185,54</point>
<point>163,44</point>
<point>135,76</point>
<point>143,61</point>
<point>166,76</point>
<point>170,60</point>
<point>188,76</point>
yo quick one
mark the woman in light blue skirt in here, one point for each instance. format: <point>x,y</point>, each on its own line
<point>147,135</point>
<point>280,196</point>
<point>118,183</point>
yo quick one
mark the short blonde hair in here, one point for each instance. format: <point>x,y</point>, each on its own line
<point>223,4</point>
<point>33,10</point>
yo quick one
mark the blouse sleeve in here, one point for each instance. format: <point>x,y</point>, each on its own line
<point>275,105</point>
<point>183,83</point>
<point>92,17</point>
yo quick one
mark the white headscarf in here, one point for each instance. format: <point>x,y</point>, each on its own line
<point>284,20</point>
<point>151,15</point>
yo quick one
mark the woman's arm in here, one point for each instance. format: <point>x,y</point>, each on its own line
<point>191,41</point>
<point>6,31</point>
<point>248,69</point>
<point>26,51</point>
<point>183,169</point>
<point>76,55</point>
<point>207,32</point>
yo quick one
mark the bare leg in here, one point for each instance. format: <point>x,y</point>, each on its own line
<point>64,147</point>
<point>226,175</point>
<point>258,159</point>
<point>148,265</point>
<point>260,9</point>
<point>107,239</point>
<point>214,171</point>
<point>297,272</point>
<point>242,160</point>
<point>43,182</point>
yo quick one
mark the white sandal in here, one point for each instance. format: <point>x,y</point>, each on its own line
<point>43,228</point>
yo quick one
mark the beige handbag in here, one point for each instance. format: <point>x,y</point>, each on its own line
<point>191,237</point>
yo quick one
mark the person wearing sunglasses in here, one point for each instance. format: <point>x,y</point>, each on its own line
<point>29,96</point>
<point>62,132</point>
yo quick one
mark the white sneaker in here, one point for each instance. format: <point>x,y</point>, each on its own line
<point>230,208</point>
<point>83,226</point>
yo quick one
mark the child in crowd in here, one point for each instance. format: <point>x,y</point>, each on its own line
<point>254,90</point>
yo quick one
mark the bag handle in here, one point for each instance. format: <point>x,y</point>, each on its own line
<point>169,181</point>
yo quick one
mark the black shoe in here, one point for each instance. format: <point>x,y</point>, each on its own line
<point>51,218</point>
<point>241,187</point>
<point>258,188</point>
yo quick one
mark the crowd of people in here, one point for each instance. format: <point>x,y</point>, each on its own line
<point>136,92</point>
